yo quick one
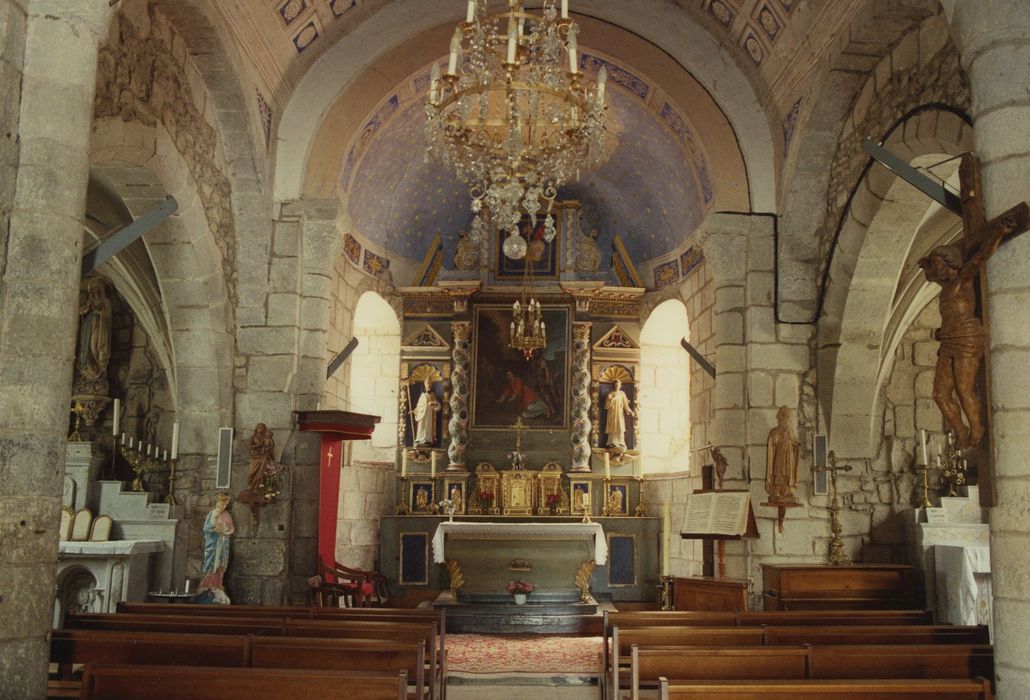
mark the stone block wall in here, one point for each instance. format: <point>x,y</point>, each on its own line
<point>366,494</point>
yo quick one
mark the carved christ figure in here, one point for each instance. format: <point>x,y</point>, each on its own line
<point>617,407</point>
<point>425,414</point>
<point>961,336</point>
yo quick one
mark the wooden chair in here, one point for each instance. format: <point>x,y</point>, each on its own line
<point>353,588</point>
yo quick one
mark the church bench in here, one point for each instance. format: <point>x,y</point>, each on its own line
<point>426,632</point>
<point>623,641</point>
<point>936,661</point>
<point>885,634</point>
<point>649,664</point>
<point>112,647</point>
<point>873,689</point>
<point>116,682</point>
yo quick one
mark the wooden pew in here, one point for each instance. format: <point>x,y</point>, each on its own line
<point>886,689</point>
<point>121,648</point>
<point>426,631</point>
<point>907,661</point>
<point>887,634</point>
<point>648,665</point>
<point>938,661</point>
<point>212,683</point>
<point>623,641</point>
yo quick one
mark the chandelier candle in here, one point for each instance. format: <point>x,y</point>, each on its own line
<point>514,116</point>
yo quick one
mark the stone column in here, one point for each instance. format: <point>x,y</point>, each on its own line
<point>580,397</point>
<point>994,38</point>
<point>39,287</point>
<point>459,423</point>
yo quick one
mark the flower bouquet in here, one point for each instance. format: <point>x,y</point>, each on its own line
<point>553,502</point>
<point>520,589</point>
<point>485,498</point>
<point>272,480</point>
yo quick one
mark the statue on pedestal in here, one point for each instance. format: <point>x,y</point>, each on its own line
<point>781,460</point>
<point>425,415</point>
<point>261,450</point>
<point>617,407</point>
<point>218,531</point>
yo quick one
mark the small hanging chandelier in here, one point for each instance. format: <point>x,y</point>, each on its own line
<point>528,331</point>
<point>517,119</point>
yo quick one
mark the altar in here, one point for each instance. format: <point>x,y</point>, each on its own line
<point>483,557</point>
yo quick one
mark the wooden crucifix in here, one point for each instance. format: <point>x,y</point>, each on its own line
<point>962,376</point>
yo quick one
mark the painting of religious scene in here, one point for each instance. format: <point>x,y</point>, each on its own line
<point>506,386</point>
<point>541,255</point>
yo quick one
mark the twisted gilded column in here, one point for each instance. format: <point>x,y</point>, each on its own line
<point>580,397</point>
<point>459,423</point>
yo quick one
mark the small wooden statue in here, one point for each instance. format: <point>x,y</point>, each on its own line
<point>781,461</point>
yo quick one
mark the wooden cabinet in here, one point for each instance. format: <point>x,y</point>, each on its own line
<point>710,594</point>
<point>855,587</point>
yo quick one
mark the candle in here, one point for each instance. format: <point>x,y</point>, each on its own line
<point>573,45</point>
<point>512,40</point>
<point>607,466</point>
<point>452,63</point>
<point>922,439</point>
<point>175,440</point>
<point>434,83</point>
<point>187,585</point>
<point>117,416</point>
<point>666,536</point>
<point>166,456</point>
<point>586,502</point>
<point>638,467</point>
<point>602,84</point>
<point>470,14</point>
<point>123,438</point>
<point>432,464</point>
<point>564,9</point>
<point>404,462</point>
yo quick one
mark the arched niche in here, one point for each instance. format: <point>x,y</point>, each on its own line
<point>665,389</point>
<point>375,374</point>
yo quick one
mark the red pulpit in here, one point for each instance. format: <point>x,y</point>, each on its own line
<point>335,427</point>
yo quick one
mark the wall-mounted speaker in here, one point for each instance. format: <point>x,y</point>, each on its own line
<point>223,475</point>
<point>819,485</point>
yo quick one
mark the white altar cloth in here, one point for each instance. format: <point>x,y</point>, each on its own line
<point>959,594</point>
<point>528,530</point>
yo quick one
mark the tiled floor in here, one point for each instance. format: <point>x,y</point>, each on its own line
<point>525,686</point>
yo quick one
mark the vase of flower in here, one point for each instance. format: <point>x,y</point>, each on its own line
<point>553,501</point>
<point>520,589</point>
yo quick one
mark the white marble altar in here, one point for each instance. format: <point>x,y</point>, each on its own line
<point>96,576</point>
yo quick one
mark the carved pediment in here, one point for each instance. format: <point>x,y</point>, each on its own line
<point>426,338</point>
<point>616,340</point>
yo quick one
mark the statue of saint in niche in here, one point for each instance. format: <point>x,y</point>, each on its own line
<point>617,408</point>
<point>781,460</point>
<point>425,415</point>
<point>261,451</point>
<point>94,338</point>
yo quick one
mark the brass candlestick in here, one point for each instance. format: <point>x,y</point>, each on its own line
<point>606,511</point>
<point>838,555</point>
<point>78,409</point>
<point>953,467</point>
<point>924,470</point>
<point>641,510</point>
<point>665,601</point>
<point>402,507</point>
<point>170,498</point>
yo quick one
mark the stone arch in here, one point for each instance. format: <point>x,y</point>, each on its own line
<point>887,226</point>
<point>848,103</point>
<point>184,256</point>
<point>668,28</point>
<point>664,386</point>
<point>375,373</point>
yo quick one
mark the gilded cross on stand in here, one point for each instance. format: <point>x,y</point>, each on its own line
<point>838,555</point>
<point>516,457</point>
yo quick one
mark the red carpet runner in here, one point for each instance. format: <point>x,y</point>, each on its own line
<point>480,653</point>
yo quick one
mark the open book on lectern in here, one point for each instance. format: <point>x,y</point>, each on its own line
<point>718,513</point>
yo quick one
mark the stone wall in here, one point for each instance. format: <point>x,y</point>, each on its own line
<point>366,494</point>
<point>12,50</point>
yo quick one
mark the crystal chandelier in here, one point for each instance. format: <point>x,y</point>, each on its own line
<point>514,116</point>
<point>528,331</point>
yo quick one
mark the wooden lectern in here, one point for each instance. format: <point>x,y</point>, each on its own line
<point>335,427</point>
